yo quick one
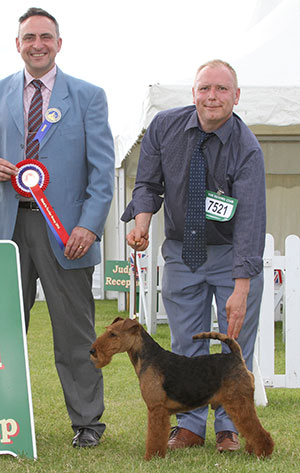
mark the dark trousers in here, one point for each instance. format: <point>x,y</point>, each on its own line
<point>71,307</point>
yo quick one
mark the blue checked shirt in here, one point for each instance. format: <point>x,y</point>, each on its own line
<point>235,165</point>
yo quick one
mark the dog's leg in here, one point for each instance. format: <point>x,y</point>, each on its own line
<point>243,414</point>
<point>158,432</point>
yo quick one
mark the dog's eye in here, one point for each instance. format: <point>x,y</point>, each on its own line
<point>112,334</point>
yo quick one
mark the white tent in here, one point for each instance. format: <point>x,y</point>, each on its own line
<point>263,57</point>
<point>269,75</point>
<point>268,49</point>
<point>271,106</point>
<point>273,114</point>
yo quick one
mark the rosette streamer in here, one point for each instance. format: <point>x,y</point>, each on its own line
<point>31,181</point>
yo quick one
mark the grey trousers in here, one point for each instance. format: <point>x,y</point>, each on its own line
<point>187,298</point>
<point>71,307</point>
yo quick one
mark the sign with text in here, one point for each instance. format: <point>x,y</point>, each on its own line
<point>117,276</point>
<point>17,435</point>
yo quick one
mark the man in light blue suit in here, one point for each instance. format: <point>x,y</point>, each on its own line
<point>78,154</point>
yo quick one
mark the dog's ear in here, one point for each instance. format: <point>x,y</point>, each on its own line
<point>116,320</point>
<point>131,324</point>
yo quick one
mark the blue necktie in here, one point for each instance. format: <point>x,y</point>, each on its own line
<point>194,241</point>
<point>34,121</point>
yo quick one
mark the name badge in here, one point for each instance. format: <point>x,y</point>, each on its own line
<point>219,207</point>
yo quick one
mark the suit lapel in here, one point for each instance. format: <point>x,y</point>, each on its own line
<point>15,100</point>
<point>59,99</point>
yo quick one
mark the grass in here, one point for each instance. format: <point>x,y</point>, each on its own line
<point>122,445</point>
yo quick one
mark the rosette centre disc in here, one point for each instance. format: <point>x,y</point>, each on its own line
<point>30,178</point>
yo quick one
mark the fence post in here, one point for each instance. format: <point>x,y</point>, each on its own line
<point>152,276</point>
<point>292,302</point>
<point>265,338</point>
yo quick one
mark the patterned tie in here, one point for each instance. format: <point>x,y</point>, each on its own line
<point>34,121</point>
<point>194,244</point>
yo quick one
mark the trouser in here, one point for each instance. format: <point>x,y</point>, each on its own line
<point>70,303</point>
<point>187,298</point>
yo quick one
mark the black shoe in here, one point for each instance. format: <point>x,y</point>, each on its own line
<point>86,438</point>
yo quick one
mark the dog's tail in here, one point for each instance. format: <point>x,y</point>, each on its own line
<point>233,345</point>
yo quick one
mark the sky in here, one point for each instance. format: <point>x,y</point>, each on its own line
<point>125,46</point>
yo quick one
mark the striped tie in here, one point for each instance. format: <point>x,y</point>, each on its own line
<point>194,241</point>
<point>34,121</point>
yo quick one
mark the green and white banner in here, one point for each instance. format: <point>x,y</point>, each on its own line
<point>17,435</point>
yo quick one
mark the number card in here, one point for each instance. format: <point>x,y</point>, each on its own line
<point>219,207</point>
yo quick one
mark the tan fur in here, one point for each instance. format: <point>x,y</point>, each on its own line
<point>235,394</point>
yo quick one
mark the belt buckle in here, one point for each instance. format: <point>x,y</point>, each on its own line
<point>33,209</point>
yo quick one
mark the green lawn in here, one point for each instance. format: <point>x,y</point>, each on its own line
<point>122,446</point>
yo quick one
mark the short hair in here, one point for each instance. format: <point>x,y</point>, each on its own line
<point>218,63</point>
<point>38,12</point>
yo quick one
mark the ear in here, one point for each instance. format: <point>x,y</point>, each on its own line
<point>131,324</point>
<point>18,44</point>
<point>116,320</point>
<point>237,96</point>
<point>59,43</point>
<point>193,92</point>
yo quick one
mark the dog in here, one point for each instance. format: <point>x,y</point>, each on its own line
<point>173,383</point>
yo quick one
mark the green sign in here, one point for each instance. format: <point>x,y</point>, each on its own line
<point>17,435</point>
<point>117,276</point>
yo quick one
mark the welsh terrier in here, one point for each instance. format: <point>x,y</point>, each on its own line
<point>173,383</point>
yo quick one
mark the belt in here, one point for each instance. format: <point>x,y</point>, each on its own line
<point>29,205</point>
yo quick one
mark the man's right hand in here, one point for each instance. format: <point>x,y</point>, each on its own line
<point>137,240</point>
<point>7,170</point>
<point>138,237</point>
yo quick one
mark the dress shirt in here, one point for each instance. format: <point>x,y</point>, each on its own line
<point>46,89</point>
<point>29,90</point>
<point>235,166</point>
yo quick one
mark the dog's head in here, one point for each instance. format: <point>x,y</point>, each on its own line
<point>118,338</point>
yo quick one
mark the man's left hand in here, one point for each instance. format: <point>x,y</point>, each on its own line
<point>236,307</point>
<point>79,243</point>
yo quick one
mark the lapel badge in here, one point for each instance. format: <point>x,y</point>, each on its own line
<point>53,115</point>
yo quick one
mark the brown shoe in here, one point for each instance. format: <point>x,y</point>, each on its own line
<point>227,441</point>
<point>181,438</point>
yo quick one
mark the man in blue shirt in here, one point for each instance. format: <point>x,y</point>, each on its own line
<point>232,271</point>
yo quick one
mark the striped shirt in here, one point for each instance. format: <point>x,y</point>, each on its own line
<point>29,89</point>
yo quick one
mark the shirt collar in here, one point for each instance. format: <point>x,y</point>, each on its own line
<point>48,79</point>
<point>222,133</point>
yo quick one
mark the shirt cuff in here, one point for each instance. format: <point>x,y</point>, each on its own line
<point>150,206</point>
<point>246,267</point>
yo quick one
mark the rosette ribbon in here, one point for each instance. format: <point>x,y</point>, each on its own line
<point>31,181</point>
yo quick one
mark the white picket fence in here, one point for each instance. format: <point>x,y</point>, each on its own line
<point>289,264</point>
<point>287,295</point>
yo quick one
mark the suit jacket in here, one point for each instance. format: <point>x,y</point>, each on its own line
<point>77,151</point>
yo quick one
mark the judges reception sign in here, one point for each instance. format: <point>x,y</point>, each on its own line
<point>17,435</point>
<point>117,276</point>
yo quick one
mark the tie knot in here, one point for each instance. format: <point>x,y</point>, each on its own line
<point>37,84</point>
<point>204,136</point>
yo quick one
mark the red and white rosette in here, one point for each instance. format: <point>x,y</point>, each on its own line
<point>31,181</point>
<point>31,173</point>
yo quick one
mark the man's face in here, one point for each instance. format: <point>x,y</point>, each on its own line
<point>215,93</point>
<point>38,44</point>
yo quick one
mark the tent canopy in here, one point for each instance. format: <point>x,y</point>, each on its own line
<point>267,106</point>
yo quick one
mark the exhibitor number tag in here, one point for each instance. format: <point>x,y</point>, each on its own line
<point>219,207</point>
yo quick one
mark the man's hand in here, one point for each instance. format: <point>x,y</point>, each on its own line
<point>7,170</point>
<point>236,307</point>
<point>138,237</point>
<point>79,243</point>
